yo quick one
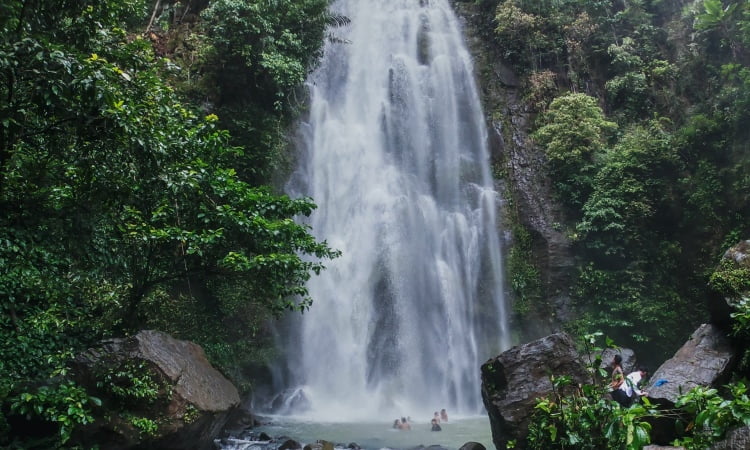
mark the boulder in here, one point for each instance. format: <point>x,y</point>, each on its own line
<point>704,360</point>
<point>191,403</point>
<point>736,439</point>
<point>628,359</point>
<point>472,446</point>
<point>729,282</point>
<point>512,381</point>
<point>290,444</point>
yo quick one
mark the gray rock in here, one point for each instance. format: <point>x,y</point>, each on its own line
<point>194,400</point>
<point>290,444</point>
<point>512,381</point>
<point>473,446</point>
<point>706,359</point>
<point>628,359</point>
<point>314,446</point>
<point>736,439</point>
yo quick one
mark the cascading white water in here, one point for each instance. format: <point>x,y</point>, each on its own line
<point>394,154</point>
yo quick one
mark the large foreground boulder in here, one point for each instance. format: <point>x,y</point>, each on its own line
<point>512,381</point>
<point>157,392</point>
<point>706,359</point>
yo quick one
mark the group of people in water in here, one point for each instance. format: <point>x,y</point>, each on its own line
<point>404,423</point>
<point>626,389</point>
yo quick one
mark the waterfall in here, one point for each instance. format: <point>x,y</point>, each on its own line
<point>394,154</point>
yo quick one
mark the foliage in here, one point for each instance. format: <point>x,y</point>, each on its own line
<point>144,425</point>
<point>525,279</point>
<point>265,47</point>
<point>65,404</point>
<point>128,382</point>
<point>573,132</point>
<point>711,415</point>
<point>730,279</point>
<point>585,417</point>
<point>116,197</point>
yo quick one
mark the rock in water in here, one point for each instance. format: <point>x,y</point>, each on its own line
<point>512,381</point>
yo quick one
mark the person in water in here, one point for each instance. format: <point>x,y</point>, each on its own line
<point>397,424</point>
<point>436,425</point>
<point>436,417</point>
<point>405,425</point>
<point>443,415</point>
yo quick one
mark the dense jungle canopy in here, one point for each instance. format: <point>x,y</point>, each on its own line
<point>141,145</point>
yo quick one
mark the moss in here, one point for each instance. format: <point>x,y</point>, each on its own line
<point>730,280</point>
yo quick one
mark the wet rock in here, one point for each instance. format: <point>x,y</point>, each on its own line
<point>706,359</point>
<point>512,381</point>
<point>472,446</point>
<point>290,444</point>
<point>628,359</point>
<point>192,405</point>
<point>736,439</point>
<point>291,400</point>
<point>313,446</point>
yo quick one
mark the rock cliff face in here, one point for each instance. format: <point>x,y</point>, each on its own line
<point>191,403</point>
<point>525,182</point>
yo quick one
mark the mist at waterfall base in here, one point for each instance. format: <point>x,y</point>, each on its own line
<point>394,153</point>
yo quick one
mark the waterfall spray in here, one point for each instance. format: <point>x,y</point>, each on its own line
<point>394,154</point>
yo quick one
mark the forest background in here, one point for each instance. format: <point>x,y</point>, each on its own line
<point>142,145</point>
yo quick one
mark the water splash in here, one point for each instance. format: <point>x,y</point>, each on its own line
<point>394,153</point>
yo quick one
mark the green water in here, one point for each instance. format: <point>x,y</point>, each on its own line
<point>380,434</point>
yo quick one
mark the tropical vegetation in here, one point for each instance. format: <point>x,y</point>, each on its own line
<point>126,203</point>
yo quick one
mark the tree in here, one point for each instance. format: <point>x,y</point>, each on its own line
<point>573,133</point>
<point>116,195</point>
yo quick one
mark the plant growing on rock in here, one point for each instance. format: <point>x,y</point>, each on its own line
<point>588,418</point>
<point>711,415</point>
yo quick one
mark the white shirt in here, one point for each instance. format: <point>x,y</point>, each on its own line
<point>631,383</point>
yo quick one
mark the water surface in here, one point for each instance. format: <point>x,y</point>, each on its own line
<point>378,434</point>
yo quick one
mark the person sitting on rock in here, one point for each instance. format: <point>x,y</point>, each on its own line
<point>630,390</point>
<point>618,377</point>
<point>436,425</point>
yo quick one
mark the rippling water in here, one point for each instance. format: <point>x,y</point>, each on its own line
<point>377,434</point>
